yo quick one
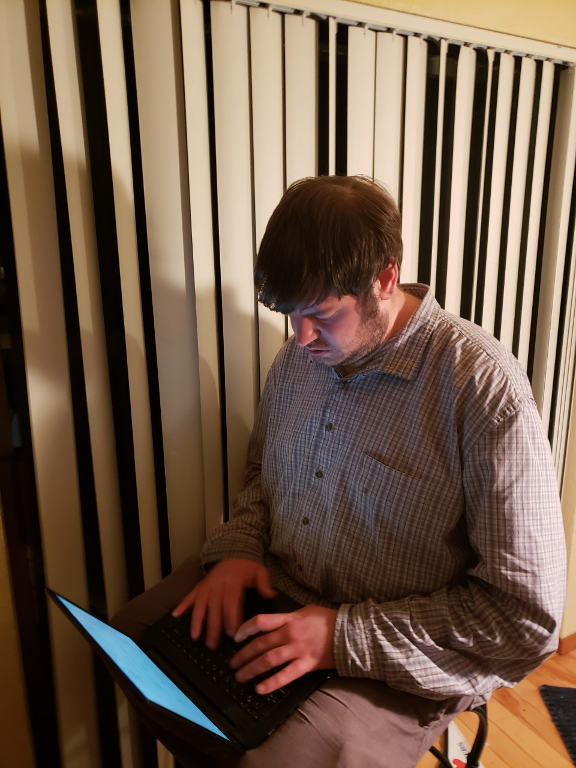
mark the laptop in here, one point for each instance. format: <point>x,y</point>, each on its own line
<point>169,670</point>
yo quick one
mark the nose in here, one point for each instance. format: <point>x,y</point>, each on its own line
<point>304,329</point>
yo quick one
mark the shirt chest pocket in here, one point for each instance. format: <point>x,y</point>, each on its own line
<point>402,507</point>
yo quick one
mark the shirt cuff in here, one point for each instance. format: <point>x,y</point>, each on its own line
<point>351,648</point>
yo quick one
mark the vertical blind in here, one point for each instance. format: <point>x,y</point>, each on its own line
<point>146,144</point>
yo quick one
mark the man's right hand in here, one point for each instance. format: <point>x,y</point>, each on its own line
<point>219,598</point>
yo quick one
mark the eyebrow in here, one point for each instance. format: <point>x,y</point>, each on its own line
<point>316,310</point>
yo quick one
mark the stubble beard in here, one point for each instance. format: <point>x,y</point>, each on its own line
<point>372,332</point>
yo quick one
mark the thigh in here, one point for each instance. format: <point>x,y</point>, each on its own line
<point>356,723</point>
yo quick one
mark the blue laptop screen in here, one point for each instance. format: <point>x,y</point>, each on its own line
<point>139,669</point>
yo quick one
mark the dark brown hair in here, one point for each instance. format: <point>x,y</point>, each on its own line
<point>328,234</point>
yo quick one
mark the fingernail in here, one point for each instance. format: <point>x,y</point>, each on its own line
<point>260,688</point>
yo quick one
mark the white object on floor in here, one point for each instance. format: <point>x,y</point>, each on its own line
<point>458,747</point>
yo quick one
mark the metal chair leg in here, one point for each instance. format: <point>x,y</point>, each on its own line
<point>473,760</point>
<point>480,740</point>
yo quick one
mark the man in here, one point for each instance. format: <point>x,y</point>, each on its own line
<point>399,486</point>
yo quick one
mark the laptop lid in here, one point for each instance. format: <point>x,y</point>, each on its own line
<point>146,679</point>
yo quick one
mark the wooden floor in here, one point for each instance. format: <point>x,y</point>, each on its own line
<point>521,733</point>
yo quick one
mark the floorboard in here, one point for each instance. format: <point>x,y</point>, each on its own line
<point>520,729</point>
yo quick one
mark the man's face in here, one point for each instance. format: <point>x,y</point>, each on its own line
<point>340,331</point>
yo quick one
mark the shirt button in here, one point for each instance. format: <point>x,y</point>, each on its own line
<point>305,521</point>
<point>329,426</point>
<point>319,473</point>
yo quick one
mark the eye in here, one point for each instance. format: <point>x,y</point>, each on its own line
<point>326,318</point>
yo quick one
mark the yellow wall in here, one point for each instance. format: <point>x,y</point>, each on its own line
<point>551,22</point>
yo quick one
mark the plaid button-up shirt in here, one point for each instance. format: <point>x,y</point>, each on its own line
<point>417,496</point>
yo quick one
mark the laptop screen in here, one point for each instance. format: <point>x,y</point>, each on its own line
<point>139,669</point>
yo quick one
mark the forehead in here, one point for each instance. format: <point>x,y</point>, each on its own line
<point>330,304</point>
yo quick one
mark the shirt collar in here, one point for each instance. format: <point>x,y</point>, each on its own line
<point>402,354</point>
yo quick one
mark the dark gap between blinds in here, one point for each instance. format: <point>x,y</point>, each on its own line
<point>216,242</point>
<point>429,162</point>
<point>485,211</point>
<point>527,206</point>
<point>446,177</point>
<point>323,96</point>
<point>507,200</point>
<point>342,100</point>
<point>474,180</point>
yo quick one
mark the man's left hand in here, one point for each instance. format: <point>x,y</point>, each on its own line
<point>303,640</point>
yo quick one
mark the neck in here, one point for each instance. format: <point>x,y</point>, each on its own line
<point>402,307</point>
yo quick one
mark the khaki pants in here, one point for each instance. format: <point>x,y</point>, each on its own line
<point>347,723</point>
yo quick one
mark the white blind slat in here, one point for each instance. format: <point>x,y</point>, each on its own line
<point>539,169</point>
<point>413,153</point>
<point>388,119</point>
<point>85,255</point>
<point>301,73</point>
<point>234,176</point>
<point>332,30</point>
<point>161,110</point>
<point>205,289</point>
<point>361,74</point>
<point>267,131</point>
<point>110,29</point>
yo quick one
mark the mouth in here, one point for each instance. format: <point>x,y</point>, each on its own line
<point>317,351</point>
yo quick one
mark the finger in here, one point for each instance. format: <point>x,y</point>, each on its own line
<point>214,621</point>
<point>266,662</point>
<point>263,622</point>
<point>198,615</point>
<point>263,583</point>
<point>233,610</point>
<point>186,603</point>
<point>257,648</point>
<point>285,676</point>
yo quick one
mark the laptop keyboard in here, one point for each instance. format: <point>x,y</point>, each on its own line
<point>215,664</point>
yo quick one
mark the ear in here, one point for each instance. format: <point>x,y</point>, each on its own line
<point>386,281</point>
